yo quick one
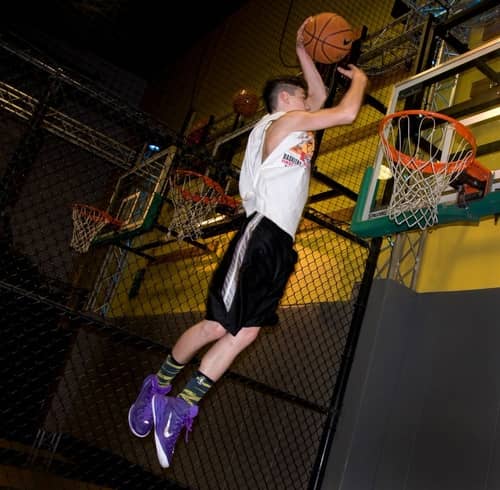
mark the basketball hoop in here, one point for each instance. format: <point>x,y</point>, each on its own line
<point>88,221</point>
<point>196,199</point>
<point>426,151</point>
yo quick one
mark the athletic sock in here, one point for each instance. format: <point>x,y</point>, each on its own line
<point>168,371</point>
<point>196,388</point>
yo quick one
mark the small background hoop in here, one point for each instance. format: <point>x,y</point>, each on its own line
<point>195,198</point>
<point>88,221</point>
<point>426,151</point>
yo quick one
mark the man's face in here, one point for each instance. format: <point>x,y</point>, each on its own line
<point>297,101</point>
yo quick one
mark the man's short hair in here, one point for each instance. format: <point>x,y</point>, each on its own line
<point>275,85</point>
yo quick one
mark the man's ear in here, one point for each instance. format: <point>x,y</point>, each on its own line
<point>284,97</point>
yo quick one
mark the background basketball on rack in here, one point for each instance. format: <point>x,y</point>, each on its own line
<point>328,37</point>
<point>245,102</point>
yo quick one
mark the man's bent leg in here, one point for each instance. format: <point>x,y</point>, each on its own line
<point>196,337</point>
<point>140,415</point>
<point>221,355</point>
<point>172,415</point>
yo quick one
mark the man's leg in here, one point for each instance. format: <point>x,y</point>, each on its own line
<point>140,415</point>
<point>196,337</point>
<point>216,362</point>
<point>188,344</point>
<point>221,355</point>
<point>171,415</point>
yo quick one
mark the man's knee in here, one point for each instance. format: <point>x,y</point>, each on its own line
<point>247,335</point>
<point>212,329</point>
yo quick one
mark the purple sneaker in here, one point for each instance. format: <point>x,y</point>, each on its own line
<point>140,415</point>
<point>170,416</point>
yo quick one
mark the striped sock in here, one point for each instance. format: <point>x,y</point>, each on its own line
<point>196,388</point>
<point>168,371</point>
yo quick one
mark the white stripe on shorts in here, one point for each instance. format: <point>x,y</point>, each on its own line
<point>231,279</point>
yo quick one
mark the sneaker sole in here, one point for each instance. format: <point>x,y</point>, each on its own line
<point>162,457</point>
<point>132,429</point>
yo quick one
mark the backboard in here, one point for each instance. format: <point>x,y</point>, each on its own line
<point>465,87</point>
<point>138,195</point>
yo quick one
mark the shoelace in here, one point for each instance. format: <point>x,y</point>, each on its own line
<point>187,422</point>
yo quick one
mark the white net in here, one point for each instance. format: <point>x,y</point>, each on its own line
<point>87,223</point>
<point>426,152</point>
<point>194,198</point>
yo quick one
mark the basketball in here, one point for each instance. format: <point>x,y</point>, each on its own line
<point>328,37</point>
<point>245,102</point>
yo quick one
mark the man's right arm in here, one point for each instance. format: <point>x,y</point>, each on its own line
<point>352,100</point>
<point>343,113</point>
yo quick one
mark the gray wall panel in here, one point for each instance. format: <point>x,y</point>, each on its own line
<point>422,402</point>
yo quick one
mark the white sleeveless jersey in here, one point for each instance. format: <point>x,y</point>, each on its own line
<point>277,187</point>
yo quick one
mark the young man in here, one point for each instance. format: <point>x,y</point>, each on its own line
<point>250,280</point>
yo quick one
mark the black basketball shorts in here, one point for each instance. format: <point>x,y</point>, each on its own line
<point>250,280</point>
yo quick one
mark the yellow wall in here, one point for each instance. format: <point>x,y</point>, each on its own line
<point>461,258</point>
<point>466,256</point>
<point>254,44</point>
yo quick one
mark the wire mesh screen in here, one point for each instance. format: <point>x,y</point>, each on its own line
<point>81,331</point>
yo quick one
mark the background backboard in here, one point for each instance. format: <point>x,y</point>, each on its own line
<point>138,194</point>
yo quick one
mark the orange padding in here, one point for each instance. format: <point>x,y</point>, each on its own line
<point>476,180</point>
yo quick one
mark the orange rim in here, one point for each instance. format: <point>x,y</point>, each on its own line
<point>96,214</point>
<point>221,198</point>
<point>424,165</point>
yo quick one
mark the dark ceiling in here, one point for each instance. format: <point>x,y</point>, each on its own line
<point>137,35</point>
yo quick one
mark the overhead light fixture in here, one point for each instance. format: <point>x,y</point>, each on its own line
<point>384,173</point>
<point>215,219</point>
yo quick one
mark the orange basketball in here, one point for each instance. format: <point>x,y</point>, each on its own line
<point>328,37</point>
<point>245,102</point>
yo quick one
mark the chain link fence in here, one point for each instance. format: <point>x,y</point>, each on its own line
<point>80,331</point>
